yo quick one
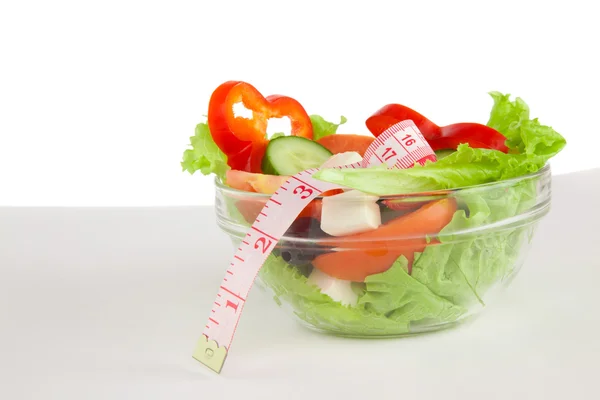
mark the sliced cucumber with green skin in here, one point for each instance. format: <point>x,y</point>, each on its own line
<point>288,155</point>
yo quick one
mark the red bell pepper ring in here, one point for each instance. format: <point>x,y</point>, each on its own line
<point>217,124</point>
<point>439,138</point>
<point>244,140</point>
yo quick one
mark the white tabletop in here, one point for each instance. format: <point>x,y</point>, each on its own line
<point>109,304</point>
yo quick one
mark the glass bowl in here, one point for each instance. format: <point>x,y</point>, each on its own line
<point>437,259</point>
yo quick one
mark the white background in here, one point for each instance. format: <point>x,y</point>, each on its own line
<point>98,99</point>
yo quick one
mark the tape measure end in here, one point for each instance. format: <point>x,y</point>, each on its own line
<point>210,354</point>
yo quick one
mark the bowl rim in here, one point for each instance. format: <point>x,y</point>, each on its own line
<point>545,170</point>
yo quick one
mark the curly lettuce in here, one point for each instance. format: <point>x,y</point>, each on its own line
<point>390,303</point>
<point>322,128</point>
<point>204,156</point>
<point>467,262</point>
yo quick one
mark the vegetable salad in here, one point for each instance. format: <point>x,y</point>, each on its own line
<point>433,280</point>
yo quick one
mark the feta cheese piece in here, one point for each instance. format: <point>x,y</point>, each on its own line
<point>341,159</point>
<point>349,213</point>
<point>338,289</point>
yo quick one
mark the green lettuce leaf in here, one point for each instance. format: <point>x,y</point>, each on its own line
<point>402,298</point>
<point>204,156</point>
<point>322,128</point>
<point>291,287</point>
<point>464,167</point>
<point>523,135</point>
<point>467,263</point>
<point>276,135</point>
<point>506,116</point>
<point>391,302</point>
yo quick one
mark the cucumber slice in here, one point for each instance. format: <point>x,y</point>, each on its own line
<point>288,155</point>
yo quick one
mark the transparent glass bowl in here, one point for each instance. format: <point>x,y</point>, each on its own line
<point>419,278</point>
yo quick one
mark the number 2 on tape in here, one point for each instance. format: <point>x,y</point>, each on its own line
<point>400,146</point>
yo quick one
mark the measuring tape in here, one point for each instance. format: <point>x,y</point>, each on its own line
<point>400,146</point>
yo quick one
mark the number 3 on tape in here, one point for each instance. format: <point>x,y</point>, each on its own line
<point>400,146</point>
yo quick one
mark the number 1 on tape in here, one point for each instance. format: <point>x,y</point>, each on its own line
<point>400,146</point>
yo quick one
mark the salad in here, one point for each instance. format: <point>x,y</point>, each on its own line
<point>378,285</point>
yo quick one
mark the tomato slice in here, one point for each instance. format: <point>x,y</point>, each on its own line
<point>378,249</point>
<point>356,265</point>
<point>342,143</point>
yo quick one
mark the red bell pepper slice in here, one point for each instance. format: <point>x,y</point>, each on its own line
<point>391,114</point>
<point>476,135</point>
<point>217,124</point>
<point>439,138</point>
<point>244,140</point>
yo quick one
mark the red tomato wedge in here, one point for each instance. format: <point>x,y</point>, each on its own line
<point>378,249</point>
<point>342,143</point>
<point>356,265</point>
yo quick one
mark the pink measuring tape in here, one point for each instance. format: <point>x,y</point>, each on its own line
<point>400,146</point>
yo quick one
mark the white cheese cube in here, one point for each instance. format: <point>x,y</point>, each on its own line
<point>338,289</point>
<point>349,213</point>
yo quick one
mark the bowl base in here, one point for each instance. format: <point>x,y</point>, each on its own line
<point>414,331</point>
